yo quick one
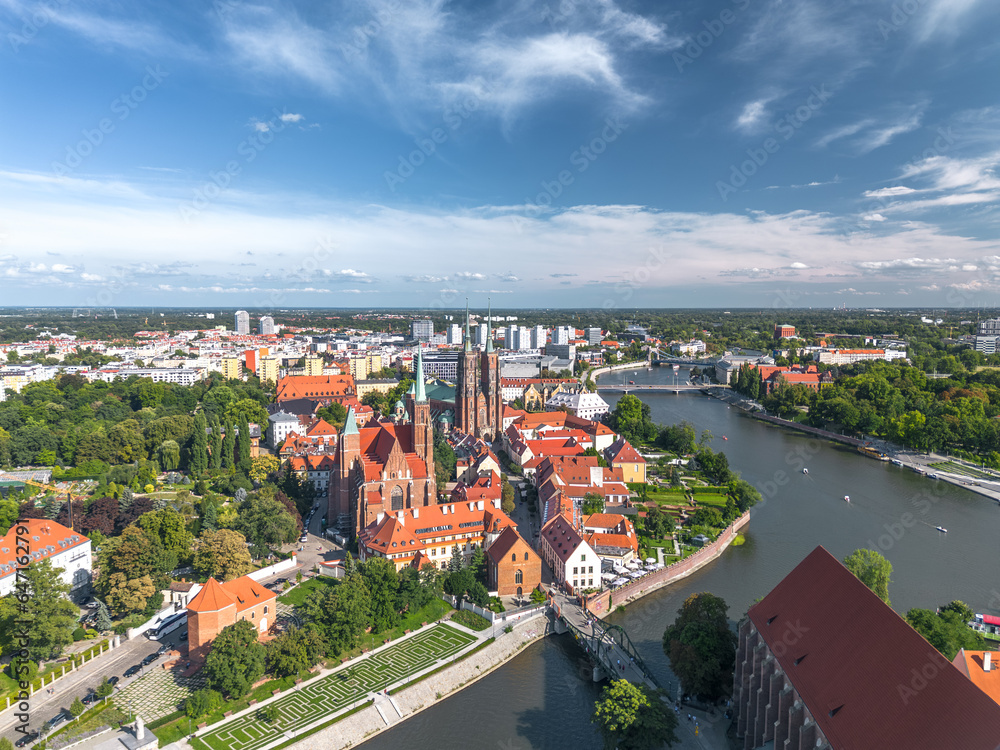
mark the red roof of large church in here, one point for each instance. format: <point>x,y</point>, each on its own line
<point>857,666</point>
<point>377,443</point>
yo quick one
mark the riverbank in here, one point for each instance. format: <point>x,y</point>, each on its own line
<point>595,374</point>
<point>921,463</point>
<point>409,701</point>
<point>605,602</point>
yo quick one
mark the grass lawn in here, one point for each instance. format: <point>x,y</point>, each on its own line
<point>711,500</point>
<point>298,595</point>
<point>470,620</point>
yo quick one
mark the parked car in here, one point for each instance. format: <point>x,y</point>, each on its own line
<point>133,670</point>
<point>89,698</point>
<point>162,650</point>
<point>26,739</point>
<point>92,604</point>
<point>56,720</point>
<point>112,681</point>
<point>150,659</point>
<point>184,636</point>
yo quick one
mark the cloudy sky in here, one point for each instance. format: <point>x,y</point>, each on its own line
<point>563,153</point>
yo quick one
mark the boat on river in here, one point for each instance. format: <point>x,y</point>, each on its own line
<point>847,498</point>
<point>942,529</point>
<point>805,471</point>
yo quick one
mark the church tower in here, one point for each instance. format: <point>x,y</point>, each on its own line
<point>423,428</point>
<point>489,385</point>
<point>340,500</point>
<point>466,390</point>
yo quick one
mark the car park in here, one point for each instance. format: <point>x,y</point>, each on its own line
<point>133,670</point>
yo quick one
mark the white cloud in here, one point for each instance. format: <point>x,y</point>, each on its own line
<point>873,217</point>
<point>470,275</point>
<point>889,192</point>
<point>290,117</point>
<point>798,266</point>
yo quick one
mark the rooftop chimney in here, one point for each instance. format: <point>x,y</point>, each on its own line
<point>400,516</point>
<point>479,505</point>
<point>986,662</point>
<point>416,512</point>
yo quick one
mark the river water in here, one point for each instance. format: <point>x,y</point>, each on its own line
<point>542,699</point>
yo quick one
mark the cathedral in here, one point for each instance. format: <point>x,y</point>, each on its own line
<point>478,397</point>
<point>387,465</point>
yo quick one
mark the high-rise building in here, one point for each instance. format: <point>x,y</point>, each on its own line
<point>561,334</point>
<point>314,366</point>
<point>421,330</point>
<point>267,369</point>
<point>454,333</point>
<point>482,331</point>
<point>231,368</point>
<point>989,327</point>
<point>266,325</point>
<point>538,337</point>
<point>242,322</point>
<point>510,336</point>
<point>594,336</point>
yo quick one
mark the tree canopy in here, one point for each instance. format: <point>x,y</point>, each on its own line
<point>701,647</point>
<point>630,717</point>
<point>872,569</point>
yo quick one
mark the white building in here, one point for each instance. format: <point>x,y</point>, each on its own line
<point>176,375</point>
<point>584,405</point>
<point>562,334</point>
<point>266,325</point>
<point>279,426</point>
<point>421,329</point>
<point>691,348</point>
<point>454,334</point>
<point>573,562</point>
<point>850,356</point>
<point>68,550</point>
<point>243,322</point>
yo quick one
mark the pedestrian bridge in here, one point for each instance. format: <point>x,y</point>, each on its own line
<point>679,388</point>
<point>607,646</point>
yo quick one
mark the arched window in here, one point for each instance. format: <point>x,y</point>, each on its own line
<point>519,577</point>
<point>513,557</point>
<point>397,498</point>
<point>525,556</point>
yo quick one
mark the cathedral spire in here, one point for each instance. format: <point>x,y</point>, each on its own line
<point>468,339</point>
<point>489,330</point>
<point>421,393</point>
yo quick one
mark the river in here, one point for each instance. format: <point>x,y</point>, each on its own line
<point>541,699</point>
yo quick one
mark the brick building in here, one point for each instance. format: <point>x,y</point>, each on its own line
<point>220,604</point>
<point>323,388</point>
<point>823,663</point>
<point>513,568</point>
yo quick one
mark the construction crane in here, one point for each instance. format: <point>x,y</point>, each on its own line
<point>48,487</point>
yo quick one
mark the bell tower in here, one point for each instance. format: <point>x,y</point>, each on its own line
<point>466,390</point>
<point>489,383</point>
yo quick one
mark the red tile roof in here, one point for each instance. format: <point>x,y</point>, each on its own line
<point>46,539</point>
<point>855,664</point>
<point>243,592</point>
<point>971,664</point>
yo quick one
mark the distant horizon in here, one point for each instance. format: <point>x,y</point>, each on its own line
<point>477,311</point>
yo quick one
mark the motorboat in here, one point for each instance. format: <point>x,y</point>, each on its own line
<point>805,471</point>
<point>897,462</point>
<point>942,529</point>
<point>847,498</point>
<point>724,437</point>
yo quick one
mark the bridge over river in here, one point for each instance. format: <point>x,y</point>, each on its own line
<point>607,646</point>
<point>678,388</point>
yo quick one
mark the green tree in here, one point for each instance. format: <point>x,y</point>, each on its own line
<point>202,702</point>
<point>872,569</point>
<point>127,596</point>
<point>630,717</point>
<point>947,630</point>
<point>6,744</point>
<point>215,445</point>
<point>236,660</point>
<point>382,581</point>
<point>592,503</point>
<point>265,522</point>
<point>294,650</point>
<point>104,689</point>
<point>229,446</point>
<point>335,414</point>
<point>263,466</point>
<point>477,564</point>
<point>168,455</point>
<point>342,613</point>
<point>102,621</point>
<point>701,647</point>
<point>198,461</point>
<point>39,610</point>
<point>222,554</point>
<point>76,707</point>
<point>444,460</point>
<point>243,460</point>
<point>245,410</point>
<point>506,496</point>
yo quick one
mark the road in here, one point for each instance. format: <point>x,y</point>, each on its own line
<point>45,705</point>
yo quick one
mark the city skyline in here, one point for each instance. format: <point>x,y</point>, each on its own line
<point>562,155</point>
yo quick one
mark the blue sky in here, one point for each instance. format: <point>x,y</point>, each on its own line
<point>567,154</point>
